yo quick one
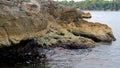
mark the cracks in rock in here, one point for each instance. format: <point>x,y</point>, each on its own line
<point>77,33</point>
<point>112,36</point>
<point>91,37</point>
<point>8,38</point>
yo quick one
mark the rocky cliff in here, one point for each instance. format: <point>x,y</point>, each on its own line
<point>27,27</point>
<point>49,24</point>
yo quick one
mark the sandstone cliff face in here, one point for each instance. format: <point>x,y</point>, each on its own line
<point>19,21</point>
<point>49,24</point>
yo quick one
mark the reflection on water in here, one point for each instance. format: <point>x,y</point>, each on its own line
<point>104,56</point>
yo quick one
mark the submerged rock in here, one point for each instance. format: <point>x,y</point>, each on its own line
<point>24,52</point>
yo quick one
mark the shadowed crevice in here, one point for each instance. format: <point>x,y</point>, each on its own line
<point>24,52</point>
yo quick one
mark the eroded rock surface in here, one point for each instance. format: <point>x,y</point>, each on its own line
<point>20,20</point>
<point>49,24</point>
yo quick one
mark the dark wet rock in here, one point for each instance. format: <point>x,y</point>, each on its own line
<point>25,52</point>
<point>74,45</point>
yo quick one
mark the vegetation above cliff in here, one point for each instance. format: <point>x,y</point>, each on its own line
<point>94,4</point>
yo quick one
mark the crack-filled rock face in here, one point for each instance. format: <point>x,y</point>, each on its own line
<point>48,23</point>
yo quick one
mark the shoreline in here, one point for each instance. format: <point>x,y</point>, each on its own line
<point>98,11</point>
<point>33,53</point>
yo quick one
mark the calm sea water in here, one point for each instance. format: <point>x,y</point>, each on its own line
<point>103,56</point>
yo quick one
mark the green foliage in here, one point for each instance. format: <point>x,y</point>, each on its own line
<point>94,4</point>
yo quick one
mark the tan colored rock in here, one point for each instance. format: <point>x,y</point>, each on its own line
<point>4,37</point>
<point>86,15</point>
<point>95,31</point>
<point>49,24</point>
<point>21,23</point>
<point>31,7</point>
<point>61,37</point>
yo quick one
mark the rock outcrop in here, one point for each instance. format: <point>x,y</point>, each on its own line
<point>27,27</point>
<point>95,31</point>
<point>20,20</point>
<point>49,24</point>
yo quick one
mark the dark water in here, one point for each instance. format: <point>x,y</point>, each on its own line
<point>103,56</point>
